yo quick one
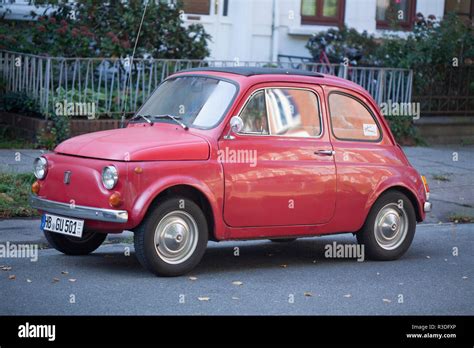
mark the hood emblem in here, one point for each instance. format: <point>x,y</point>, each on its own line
<point>67,177</point>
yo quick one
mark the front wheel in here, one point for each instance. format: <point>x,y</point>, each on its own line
<point>88,243</point>
<point>172,238</point>
<point>389,228</point>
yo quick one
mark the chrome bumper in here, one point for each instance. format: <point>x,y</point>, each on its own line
<point>79,211</point>
<point>427,207</point>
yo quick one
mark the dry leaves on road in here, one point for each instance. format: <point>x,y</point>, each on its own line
<point>12,277</point>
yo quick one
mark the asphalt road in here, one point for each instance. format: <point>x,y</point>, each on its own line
<point>266,278</point>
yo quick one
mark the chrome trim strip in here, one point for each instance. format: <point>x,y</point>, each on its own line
<point>427,207</point>
<point>79,211</point>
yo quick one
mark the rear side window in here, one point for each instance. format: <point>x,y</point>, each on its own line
<point>351,119</point>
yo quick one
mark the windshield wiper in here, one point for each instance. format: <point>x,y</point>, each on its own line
<point>141,116</point>
<point>174,118</point>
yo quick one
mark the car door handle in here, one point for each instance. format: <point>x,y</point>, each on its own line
<point>325,153</point>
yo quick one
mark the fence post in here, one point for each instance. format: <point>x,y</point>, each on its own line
<point>381,87</point>
<point>46,87</point>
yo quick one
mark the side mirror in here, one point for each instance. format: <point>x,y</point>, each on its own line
<point>236,125</point>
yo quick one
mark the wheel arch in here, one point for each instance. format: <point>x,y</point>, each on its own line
<point>407,192</point>
<point>197,195</point>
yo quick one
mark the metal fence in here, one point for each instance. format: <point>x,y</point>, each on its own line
<point>445,90</point>
<point>114,86</point>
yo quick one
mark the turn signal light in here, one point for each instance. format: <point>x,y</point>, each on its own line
<point>115,199</point>
<point>35,188</point>
<point>427,188</point>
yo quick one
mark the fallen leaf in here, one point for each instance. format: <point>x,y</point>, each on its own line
<point>237,283</point>
<point>348,295</point>
<point>12,277</point>
<point>283,266</point>
<point>192,278</point>
<point>386,300</point>
<point>308,294</point>
<point>72,280</point>
<point>204,299</point>
<point>55,280</point>
<point>64,272</point>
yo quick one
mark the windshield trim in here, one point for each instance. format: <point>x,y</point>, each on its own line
<point>174,77</point>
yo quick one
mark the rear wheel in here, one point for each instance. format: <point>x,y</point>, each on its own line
<point>172,238</point>
<point>389,228</point>
<point>88,243</point>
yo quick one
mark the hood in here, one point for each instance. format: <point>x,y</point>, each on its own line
<point>138,142</point>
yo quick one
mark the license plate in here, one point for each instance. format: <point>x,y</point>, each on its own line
<point>62,225</point>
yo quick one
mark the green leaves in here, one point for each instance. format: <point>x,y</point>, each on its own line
<point>87,28</point>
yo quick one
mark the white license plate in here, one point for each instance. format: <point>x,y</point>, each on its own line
<point>63,225</point>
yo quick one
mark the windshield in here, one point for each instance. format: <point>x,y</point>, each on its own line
<point>196,101</point>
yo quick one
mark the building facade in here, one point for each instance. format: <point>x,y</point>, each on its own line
<point>263,30</point>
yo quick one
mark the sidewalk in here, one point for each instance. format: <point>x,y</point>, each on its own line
<point>449,170</point>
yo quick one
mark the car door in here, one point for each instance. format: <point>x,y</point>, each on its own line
<point>279,170</point>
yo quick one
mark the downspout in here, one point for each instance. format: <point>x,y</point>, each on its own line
<point>275,27</point>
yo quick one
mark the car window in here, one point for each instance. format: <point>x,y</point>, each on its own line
<point>293,112</point>
<point>254,115</point>
<point>351,119</point>
<point>198,101</point>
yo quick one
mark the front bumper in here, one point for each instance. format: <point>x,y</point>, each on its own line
<point>427,207</point>
<point>79,211</point>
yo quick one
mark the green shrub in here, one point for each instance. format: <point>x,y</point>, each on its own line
<point>85,28</point>
<point>56,132</point>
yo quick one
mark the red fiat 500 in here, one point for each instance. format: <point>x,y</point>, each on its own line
<point>234,154</point>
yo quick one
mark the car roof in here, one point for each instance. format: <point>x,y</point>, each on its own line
<point>252,75</point>
<point>252,71</point>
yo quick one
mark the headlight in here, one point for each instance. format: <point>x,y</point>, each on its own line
<point>40,166</point>
<point>109,177</point>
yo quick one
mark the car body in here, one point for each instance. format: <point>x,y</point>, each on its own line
<point>262,153</point>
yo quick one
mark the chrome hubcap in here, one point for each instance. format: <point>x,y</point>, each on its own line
<point>391,226</point>
<point>176,237</point>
